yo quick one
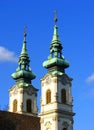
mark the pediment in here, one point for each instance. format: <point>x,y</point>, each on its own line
<point>66,79</point>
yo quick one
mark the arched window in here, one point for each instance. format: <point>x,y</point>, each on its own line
<point>29,105</point>
<point>63,96</point>
<point>15,105</point>
<point>64,128</point>
<point>48,96</point>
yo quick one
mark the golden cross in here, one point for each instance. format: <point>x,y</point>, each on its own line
<point>25,30</point>
<point>55,16</point>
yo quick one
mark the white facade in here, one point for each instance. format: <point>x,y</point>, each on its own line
<point>22,95</point>
<point>56,115</point>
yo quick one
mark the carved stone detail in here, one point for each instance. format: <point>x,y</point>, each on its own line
<point>48,125</point>
<point>42,121</point>
<point>56,96</point>
<point>42,84</point>
<point>65,124</point>
<point>54,118</point>
<point>21,106</point>
<point>71,121</point>
<point>55,80</point>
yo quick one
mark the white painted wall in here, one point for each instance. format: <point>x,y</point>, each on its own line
<point>22,95</point>
<point>49,117</point>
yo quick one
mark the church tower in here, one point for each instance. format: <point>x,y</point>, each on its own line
<point>23,94</point>
<point>56,98</point>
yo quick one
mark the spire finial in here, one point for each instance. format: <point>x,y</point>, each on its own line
<point>25,31</point>
<point>55,16</point>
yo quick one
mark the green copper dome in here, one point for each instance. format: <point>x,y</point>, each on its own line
<point>23,72</point>
<point>56,63</point>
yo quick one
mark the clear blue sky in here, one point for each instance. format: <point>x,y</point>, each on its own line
<point>76,32</point>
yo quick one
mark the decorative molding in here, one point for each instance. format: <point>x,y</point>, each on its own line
<point>55,118</point>
<point>66,113</point>
<point>45,76</point>
<point>55,80</point>
<point>41,100</point>
<point>10,94</point>
<point>21,91</point>
<point>21,107</point>
<point>65,124</point>
<point>41,121</point>
<point>48,124</point>
<point>42,84</point>
<point>29,92</point>
<point>71,100</point>
<point>56,96</point>
<point>72,122</point>
<point>12,88</point>
<point>48,80</point>
<point>66,80</point>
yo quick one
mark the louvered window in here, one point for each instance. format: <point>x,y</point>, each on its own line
<point>63,96</point>
<point>29,105</point>
<point>15,105</point>
<point>48,96</point>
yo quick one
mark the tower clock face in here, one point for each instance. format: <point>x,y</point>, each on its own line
<point>64,80</point>
<point>48,80</point>
<point>15,90</point>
